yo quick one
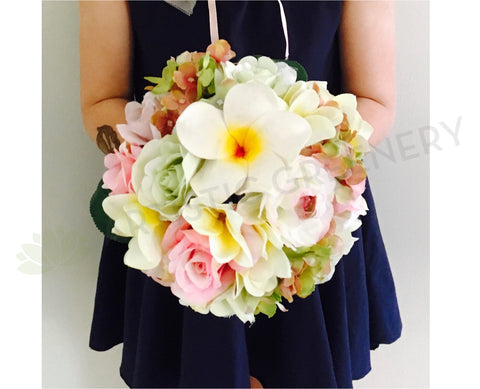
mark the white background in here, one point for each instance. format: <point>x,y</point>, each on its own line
<point>72,166</point>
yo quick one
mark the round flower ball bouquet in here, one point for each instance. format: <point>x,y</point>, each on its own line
<point>238,185</point>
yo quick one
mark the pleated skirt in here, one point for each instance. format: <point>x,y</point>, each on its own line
<point>323,341</point>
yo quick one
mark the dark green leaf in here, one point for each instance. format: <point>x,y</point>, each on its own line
<point>301,72</point>
<point>100,218</point>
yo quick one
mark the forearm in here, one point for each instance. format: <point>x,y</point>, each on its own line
<point>100,122</point>
<point>105,66</point>
<point>379,116</point>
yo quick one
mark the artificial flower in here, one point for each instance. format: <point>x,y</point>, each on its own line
<point>139,128</point>
<point>142,224</point>
<point>269,261</point>
<point>186,76</point>
<point>278,76</point>
<point>238,185</point>
<point>221,51</point>
<point>245,144</point>
<point>223,225</point>
<point>262,278</point>
<point>119,164</point>
<point>199,278</point>
<point>177,100</point>
<point>301,210</point>
<point>305,99</point>
<point>164,121</point>
<point>161,176</point>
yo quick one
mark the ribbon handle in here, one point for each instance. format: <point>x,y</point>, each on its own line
<point>285,29</point>
<point>212,15</point>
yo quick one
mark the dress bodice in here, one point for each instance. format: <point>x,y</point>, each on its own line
<point>251,27</point>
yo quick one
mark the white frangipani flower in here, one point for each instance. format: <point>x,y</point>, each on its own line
<point>142,224</point>
<point>243,145</point>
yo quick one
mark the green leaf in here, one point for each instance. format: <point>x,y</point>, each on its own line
<point>165,82</point>
<point>206,61</point>
<point>161,89</point>
<point>211,89</point>
<point>307,283</point>
<point>206,77</point>
<point>100,218</point>
<point>199,91</point>
<point>267,307</point>
<point>168,70</point>
<point>322,251</point>
<point>154,80</point>
<point>301,72</point>
<point>330,149</point>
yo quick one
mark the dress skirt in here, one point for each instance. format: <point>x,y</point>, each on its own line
<point>323,341</point>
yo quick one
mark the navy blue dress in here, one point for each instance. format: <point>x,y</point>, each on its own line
<point>323,340</point>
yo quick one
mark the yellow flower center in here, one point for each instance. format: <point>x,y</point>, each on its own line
<point>243,144</point>
<point>150,216</point>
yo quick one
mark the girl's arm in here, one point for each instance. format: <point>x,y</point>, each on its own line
<point>367,37</point>
<point>105,66</point>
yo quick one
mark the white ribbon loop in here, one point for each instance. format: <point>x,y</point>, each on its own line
<point>212,14</point>
<point>285,29</point>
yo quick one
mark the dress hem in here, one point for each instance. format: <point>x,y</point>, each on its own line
<point>356,377</point>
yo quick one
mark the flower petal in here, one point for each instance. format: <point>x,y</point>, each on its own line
<point>149,152</point>
<point>334,114</point>
<point>202,131</point>
<point>305,103</point>
<point>150,244</point>
<point>245,103</point>
<point>285,132</point>
<point>322,128</point>
<point>190,165</point>
<point>365,130</point>
<point>348,104</point>
<point>261,279</point>
<point>263,173</point>
<point>219,179</point>
<point>114,207</point>
<point>135,256</point>
<point>249,207</point>
<point>229,243</point>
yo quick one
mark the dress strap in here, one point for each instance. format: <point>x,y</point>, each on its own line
<point>214,36</point>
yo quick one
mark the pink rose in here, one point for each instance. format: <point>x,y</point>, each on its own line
<point>139,128</point>
<point>119,174</point>
<point>198,277</point>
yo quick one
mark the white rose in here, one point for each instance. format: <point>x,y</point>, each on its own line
<point>301,209</point>
<point>278,76</point>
